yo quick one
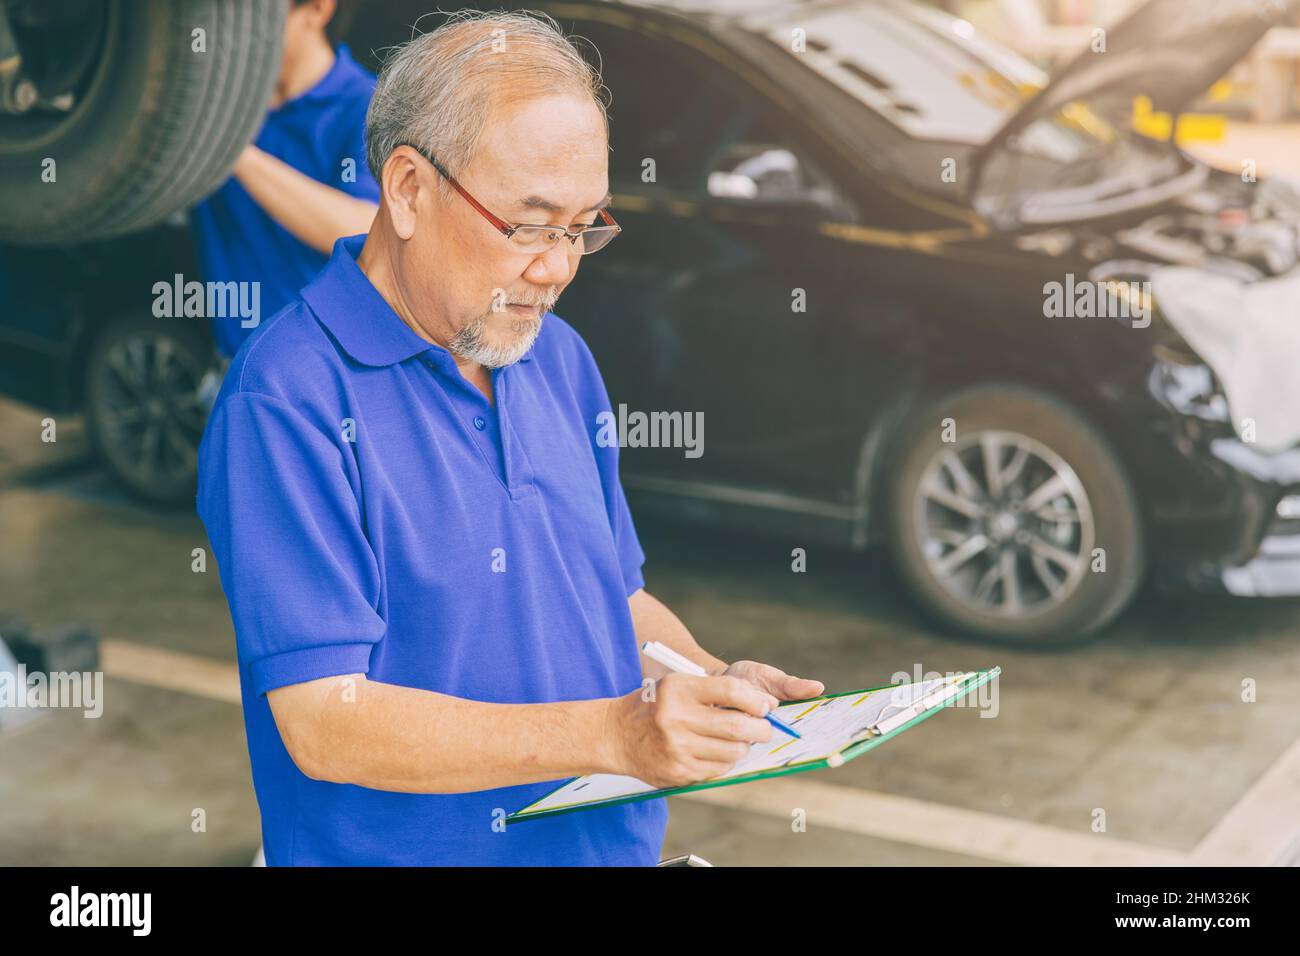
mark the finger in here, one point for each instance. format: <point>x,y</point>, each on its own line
<point>728,725</point>
<point>711,769</point>
<point>733,692</point>
<point>770,680</point>
<point>799,688</point>
<point>714,750</point>
<point>705,769</point>
<point>769,684</point>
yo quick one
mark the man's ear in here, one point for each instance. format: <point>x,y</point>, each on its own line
<point>403,183</point>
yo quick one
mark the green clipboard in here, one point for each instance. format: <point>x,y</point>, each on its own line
<point>835,732</point>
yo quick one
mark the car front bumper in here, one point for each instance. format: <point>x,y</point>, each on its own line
<point>1264,559</point>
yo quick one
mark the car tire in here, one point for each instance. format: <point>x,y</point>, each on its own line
<point>145,409</point>
<point>1007,551</point>
<point>151,125</point>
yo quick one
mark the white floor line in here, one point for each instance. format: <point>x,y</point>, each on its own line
<point>1263,827</point>
<point>904,820</point>
<point>1257,831</point>
<point>170,670</point>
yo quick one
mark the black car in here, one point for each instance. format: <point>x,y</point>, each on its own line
<point>849,231</point>
<point>864,246</point>
<point>116,115</point>
<point>79,334</point>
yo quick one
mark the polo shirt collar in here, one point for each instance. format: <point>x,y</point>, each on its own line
<point>360,319</point>
<point>350,307</point>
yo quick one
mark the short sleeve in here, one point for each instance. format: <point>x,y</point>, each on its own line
<point>285,527</point>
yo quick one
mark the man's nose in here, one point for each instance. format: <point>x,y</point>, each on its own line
<point>555,267</point>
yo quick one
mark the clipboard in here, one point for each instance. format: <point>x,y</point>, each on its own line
<point>836,727</point>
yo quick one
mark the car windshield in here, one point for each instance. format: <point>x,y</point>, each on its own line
<point>940,82</point>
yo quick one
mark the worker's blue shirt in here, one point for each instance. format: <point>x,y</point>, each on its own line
<point>321,134</point>
<point>372,513</point>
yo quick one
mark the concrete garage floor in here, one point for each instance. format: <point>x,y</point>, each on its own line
<point>1147,725</point>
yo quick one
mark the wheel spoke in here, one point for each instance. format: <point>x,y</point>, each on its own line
<point>1049,512</point>
<point>984,588</point>
<point>991,452</point>
<point>1045,574</point>
<point>950,499</point>
<point>119,363</point>
<point>114,418</point>
<point>958,556</point>
<point>162,361</point>
<point>184,449</point>
<point>1016,465</point>
<point>1056,485</point>
<point>190,411</point>
<point>966,485</point>
<point>1010,582</point>
<point>1051,552</point>
<point>950,536</point>
<point>137,357</point>
<point>149,443</point>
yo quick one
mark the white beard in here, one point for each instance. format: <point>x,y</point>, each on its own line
<point>471,342</point>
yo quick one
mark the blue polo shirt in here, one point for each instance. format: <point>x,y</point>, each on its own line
<point>320,133</point>
<point>371,512</point>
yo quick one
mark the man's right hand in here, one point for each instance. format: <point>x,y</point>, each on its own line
<point>682,734</point>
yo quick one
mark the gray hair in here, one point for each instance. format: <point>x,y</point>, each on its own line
<point>439,90</point>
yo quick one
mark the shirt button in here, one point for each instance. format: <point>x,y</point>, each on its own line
<point>480,424</point>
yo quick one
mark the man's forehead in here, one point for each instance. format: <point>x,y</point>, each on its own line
<point>542,203</point>
<point>564,165</point>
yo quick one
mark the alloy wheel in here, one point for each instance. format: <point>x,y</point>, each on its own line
<point>1004,523</point>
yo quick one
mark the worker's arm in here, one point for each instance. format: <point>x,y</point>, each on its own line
<point>655,622</point>
<point>314,212</point>
<point>388,737</point>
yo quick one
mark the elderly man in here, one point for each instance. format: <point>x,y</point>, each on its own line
<point>435,582</point>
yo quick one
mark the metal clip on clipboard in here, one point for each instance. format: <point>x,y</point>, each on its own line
<point>906,712</point>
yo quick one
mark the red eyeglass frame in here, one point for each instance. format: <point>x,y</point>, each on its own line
<point>505,228</point>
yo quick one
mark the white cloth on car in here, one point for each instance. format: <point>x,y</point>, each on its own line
<point>1249,334</point>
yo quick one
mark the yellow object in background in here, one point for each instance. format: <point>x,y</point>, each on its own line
<point>1192,127</point>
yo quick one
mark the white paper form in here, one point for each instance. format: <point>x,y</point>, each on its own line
<point>827,726</point>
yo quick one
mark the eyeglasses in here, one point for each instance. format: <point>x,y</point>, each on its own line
<point>536,239</point>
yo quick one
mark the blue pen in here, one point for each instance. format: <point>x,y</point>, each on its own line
<point>783,727</point>
<point>673,661</point>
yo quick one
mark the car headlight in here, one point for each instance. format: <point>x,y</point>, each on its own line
<point>1188,389</point>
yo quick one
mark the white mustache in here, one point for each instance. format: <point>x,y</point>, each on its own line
<point>546,300</point>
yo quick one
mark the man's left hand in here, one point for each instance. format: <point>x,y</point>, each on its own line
<point>774,681</point>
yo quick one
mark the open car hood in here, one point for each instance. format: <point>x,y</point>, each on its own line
<point>1170,50</point>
